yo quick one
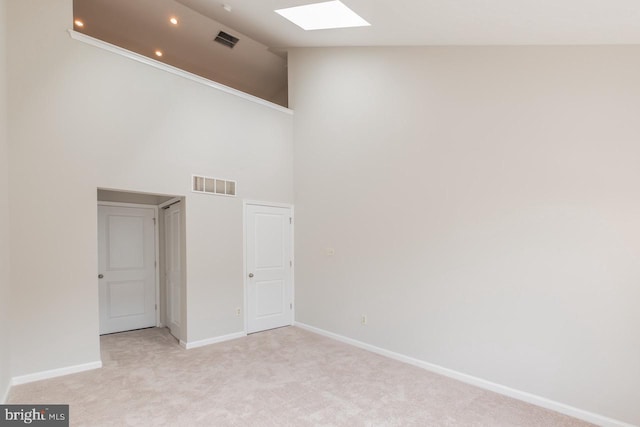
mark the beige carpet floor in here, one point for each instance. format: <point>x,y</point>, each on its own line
<point>283,377</point>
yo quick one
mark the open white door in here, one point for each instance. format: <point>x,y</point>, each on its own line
<point>173,266</point>
<point>269,267</point>
<point>126,262</point>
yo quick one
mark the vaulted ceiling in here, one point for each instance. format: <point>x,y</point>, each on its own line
<point>257,64</point>
<point>440,22</point>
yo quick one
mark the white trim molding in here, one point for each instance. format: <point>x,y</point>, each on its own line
<point>53,373</point>
<point>475,381</point>
<point>170,202</point>
<point>174,70</point>
<point>263,203</point>
<point>214,340</point>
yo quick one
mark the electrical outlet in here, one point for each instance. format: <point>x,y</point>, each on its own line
<point>363,319</point>
<point>238,312</point>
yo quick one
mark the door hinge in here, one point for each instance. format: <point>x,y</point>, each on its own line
<point>290,220</point>
<point>290,306</point>
<point>154,221</point>
<point>156,306</point>
<point>290,263</point>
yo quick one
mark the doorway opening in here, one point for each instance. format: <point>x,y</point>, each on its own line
<point>141,254</point>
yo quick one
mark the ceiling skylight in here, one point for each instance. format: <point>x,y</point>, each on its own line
<point>321,16</point>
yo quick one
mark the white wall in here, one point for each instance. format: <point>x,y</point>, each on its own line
<point>83,118</point>
<point>484,208</point>
<point>5,303</point>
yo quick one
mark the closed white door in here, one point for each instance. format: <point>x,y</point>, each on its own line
<point>269,267</point>
<point>173,266</point>
<point>126,262</point>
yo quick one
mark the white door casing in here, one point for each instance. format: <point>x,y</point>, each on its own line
<point>268,261</point>
<point>173,266</point>
<point>127,271</point>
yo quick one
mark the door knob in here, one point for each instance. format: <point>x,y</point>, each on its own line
<point>100,276</point>
<point>250,274</point>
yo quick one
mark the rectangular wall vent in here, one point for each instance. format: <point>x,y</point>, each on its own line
<point>208,185</point>
<point>226,39</point>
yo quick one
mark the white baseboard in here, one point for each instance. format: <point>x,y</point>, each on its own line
<point>214,340</point>
<point>475,381</point>
<point>53,373</point>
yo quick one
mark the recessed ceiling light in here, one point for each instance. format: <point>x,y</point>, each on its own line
<point>158,53</point>
<point>174,20</point>
<point>78,23</point>
<point>320,16</point>
<point>226,7</point>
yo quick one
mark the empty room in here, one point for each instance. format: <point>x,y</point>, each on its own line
<point>263,213</point>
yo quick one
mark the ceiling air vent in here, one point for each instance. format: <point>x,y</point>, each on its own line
<point>226,39</point>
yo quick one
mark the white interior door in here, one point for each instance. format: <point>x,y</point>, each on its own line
<point>126,262</point>
<point>269,267</point>
<point>173,266</point>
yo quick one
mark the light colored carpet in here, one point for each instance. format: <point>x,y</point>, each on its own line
<point>283,377</point>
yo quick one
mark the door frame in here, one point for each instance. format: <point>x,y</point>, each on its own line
<point>245,281</point>
<point>156,254</point>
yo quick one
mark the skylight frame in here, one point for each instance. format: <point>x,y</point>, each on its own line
<point>323,16</point>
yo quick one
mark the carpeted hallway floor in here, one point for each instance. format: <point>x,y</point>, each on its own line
<point>283,377</point>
